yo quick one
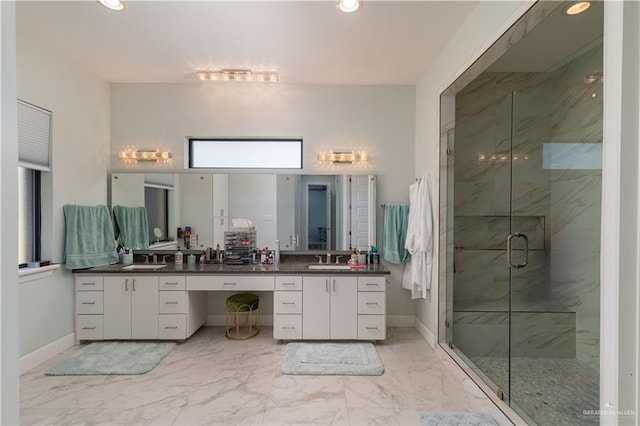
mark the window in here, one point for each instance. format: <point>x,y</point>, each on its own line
<point>29,220</point>
<point>245,153</point>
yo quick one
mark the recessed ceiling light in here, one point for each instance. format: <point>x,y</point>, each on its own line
<point>117,5</point>
<point>348,5</point>
<point>578,7</point>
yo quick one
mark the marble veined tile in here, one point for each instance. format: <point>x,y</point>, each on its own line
<point>302,415</point>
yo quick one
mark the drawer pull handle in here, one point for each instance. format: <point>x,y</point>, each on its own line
<point>371,328</point>
<point>88,328</point>
<point>288,283</point>
<point>170,283</point>
<point>88,284</point>
<point>371,303</point>
<point>170,303</point>
<point>229,283</point>
<point>175,327</point>
<point>288,328</point>
<point>288,303</point>
<point>375,284</point>
<point>88,303</point>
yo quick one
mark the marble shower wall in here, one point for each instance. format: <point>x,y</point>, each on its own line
<point>558,207</point>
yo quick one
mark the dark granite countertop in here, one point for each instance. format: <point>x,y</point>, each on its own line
<point>288,267</point>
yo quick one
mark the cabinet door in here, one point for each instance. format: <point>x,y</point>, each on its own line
<point>144,307</point>
<point>344,307</point>
<point>315,307</point>
<point>117,307</point>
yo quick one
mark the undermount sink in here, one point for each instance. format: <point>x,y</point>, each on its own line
<point>145,266</point>
<point>329,266</point>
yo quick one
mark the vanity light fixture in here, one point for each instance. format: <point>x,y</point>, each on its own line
<point>348,6</point>
<point>117,5</point>
<point>350,157</point>
<point>133,156</point>
<point>578,7</point>
<point>238,75</point>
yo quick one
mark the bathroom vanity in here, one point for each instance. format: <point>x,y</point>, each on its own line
<point>167,302</point>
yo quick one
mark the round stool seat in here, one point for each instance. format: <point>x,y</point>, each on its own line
<point>242,305</point>
<point>242,302</point>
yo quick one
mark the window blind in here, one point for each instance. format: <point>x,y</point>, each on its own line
<point>34,136</point>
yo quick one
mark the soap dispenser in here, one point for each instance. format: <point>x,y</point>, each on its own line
<point>178,257</point>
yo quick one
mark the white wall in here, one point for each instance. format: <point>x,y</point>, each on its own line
<point>80,155</point>
<point>8,218</point>
<point>379,119</point>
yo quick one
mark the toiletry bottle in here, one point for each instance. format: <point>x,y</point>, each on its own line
<point>375,255</point>
<point>202,255</point>
<point>263,255</point>
<point>187,237</point>
<point>178,257</point>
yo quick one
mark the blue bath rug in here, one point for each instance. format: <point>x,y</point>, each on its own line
<point>450,418</point>
<point>338,359</point>
<point>107,358</point>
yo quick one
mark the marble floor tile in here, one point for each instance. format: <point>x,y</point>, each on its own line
<point>210,380</point>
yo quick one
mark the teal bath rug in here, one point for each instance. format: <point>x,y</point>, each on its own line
<point>450,418</point>
<point>113,358</point>
<point>341,359</point>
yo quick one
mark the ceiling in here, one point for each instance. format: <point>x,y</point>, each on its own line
<point>309,42</point>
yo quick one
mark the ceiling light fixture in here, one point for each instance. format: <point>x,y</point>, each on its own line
<point>238,75</point>
<point>348,5</point>
<point>117,5</point>
<point>578,7</point>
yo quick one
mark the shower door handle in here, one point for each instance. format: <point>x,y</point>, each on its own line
<point>526,250</point>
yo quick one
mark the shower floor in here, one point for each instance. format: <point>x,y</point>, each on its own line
<point>552,391</point>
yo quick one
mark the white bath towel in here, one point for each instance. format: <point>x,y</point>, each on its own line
<point>419,240</point>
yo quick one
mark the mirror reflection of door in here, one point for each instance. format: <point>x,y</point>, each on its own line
<point>318,216</point>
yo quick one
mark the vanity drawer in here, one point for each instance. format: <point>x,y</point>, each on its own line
<point>289,283</point>
<point>231,283</point>
<point>172,326</point>
<point>172,282</point>
<point>371,302</point>
<point>371,327</point>
<point>89,283</point>
<point>371,283</point>
<point>89,302</point>
<point>287,302</point>
<point>89,327</point>
<point>172,302</point>
<point>287,327</point>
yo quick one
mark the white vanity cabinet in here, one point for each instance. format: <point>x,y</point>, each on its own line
<point>89,307</point>
<point>287,307</point>
<point>371,308</point>
<point>130,307</point>
<point>330,306</point>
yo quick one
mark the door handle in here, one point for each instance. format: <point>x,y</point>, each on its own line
<point>326,285</point>
<point>526,250</point>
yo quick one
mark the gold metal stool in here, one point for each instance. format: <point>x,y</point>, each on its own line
<point>247,305</point>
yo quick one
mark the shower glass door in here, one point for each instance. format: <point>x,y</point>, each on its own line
<point>523,235</point>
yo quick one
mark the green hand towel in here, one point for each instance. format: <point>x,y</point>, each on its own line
<point>89,237</point>
<point>132,227</point>
<point>396,220</point>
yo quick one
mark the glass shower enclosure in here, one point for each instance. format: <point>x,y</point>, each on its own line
<point>521,165</point>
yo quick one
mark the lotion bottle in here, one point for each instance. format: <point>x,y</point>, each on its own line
<point>178,257</point>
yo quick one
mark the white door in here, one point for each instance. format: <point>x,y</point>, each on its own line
<point>117,307</point>
<point>344,307</point>
<point>315,307</point>
<point>144,307</point>
<point>360,211</point>
<point>196,205</point>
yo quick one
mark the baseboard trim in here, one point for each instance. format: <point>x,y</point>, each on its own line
<point>426,334</point>
<point>401,321</point>
<point>46,352</point>
<point>218,320</point>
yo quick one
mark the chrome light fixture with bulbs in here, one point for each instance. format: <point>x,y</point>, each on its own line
<point>117,5</point>
<point>134,155</point>
<point>348,6</point>
<point>237,75</point>
<point>349,157</point>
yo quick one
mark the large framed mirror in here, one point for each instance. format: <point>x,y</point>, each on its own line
<point>316,213</point>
